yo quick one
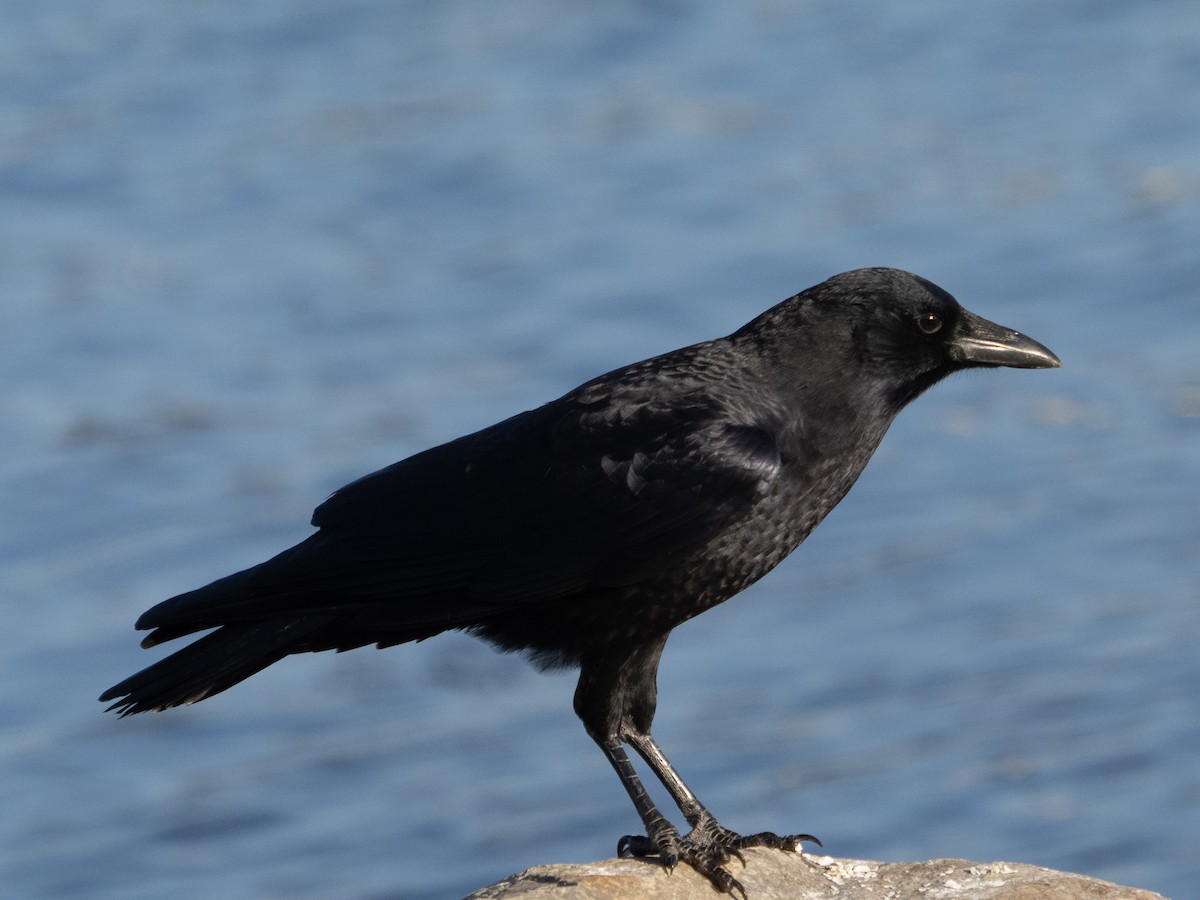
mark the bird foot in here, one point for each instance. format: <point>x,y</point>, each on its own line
<point>706,848</point>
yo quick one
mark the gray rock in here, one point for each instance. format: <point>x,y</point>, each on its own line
<point>774,875</point>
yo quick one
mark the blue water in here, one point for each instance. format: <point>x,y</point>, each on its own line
<point>250,251</point>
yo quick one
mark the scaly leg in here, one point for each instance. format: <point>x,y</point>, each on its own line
<point>616,701</point>
<point>709,845</point>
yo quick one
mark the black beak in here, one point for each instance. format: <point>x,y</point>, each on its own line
<point>978,342</point>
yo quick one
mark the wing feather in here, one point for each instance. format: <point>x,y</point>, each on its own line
<point>588,493</point>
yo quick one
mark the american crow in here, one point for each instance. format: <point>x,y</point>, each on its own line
<point>583,531</point>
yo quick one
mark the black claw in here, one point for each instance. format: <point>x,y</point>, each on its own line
<point>639,846</point>
<point>635,845</point>
<point>776,842</point>
<point>721,880</point>
<point>707,848</point>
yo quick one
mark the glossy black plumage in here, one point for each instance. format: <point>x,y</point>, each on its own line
<point>583,531</point>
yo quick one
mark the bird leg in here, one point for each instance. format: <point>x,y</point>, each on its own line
<point>615,699</point>
<point>661,837</point>
<point>709,845</point>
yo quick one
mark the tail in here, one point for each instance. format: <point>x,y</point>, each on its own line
<point>212,664</point>
<point>296,602</point>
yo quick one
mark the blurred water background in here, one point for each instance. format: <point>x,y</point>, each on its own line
<point>251,251</point>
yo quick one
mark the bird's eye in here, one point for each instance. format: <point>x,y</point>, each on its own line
<point>929,323</point>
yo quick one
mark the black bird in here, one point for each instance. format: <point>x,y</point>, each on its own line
<point>583,531</point>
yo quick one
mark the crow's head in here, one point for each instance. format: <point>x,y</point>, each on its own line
<point>884,334</point>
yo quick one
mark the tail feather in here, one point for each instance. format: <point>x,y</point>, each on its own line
<point>212,664</point>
